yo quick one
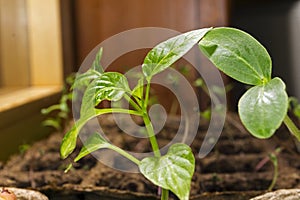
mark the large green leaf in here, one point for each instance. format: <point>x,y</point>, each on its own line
<point>172,171</point>
<point>238,55</point>
<point>110,86</point>
<point>166,53</point>
<point>262,108</point>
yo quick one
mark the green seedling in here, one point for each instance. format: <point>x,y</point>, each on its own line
<point>61,109</point>
<point>272,157</point>
<point>262,109</point>
<point>172,171</point>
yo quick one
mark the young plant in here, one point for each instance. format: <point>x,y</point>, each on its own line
<point>272,157</point>
<point>263,108</point>
<point>61,109</point>
<point>172,171</point>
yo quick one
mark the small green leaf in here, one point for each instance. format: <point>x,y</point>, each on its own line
<point>238,55</point>
<point>166,53</point>
<point>262,108</point>
<point>84,79</point>
<point>69,142</point>
<point>46,111</point>
<point>172,171</point>
<point>93,143</point>
<point>110,86</point>
<point>52,122</point>
<point>96,64</point>
<point>138,91</point>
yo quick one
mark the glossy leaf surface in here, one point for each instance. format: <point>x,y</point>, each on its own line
<point>238,55</point>
<point>166,53</point>
<point>172,171</point>
<point>110,86</point>
<point>262,108</point>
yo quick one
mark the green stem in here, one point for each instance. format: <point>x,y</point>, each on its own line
<point>274,160</point>
<point>125,154</point>
<point>132,103</point>
<point>292,127</point>
<point>164,194</point>
<point>147,95</point>
<point>151,135</point>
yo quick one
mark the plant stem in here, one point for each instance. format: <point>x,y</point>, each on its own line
<point>147,95</point>
<point>132,103</point>
<point>274,160</point>
<point>151,135</point>
<point>292,127</point>
<point>164,194</point>
<point>125,154</point>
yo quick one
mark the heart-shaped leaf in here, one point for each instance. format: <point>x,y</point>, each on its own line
<point>238,55</point>
<point>166,53</point>
<point>172,171</point>
<point>262,108</point>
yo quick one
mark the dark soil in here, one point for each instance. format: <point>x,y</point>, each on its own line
<point>228,172</point>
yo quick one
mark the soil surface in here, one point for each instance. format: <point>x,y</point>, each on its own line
<point>228,172</point>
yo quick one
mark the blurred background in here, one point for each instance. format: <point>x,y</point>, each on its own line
<point>41,43</point>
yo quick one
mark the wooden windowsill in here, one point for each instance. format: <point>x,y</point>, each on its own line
<point>21,118</point>
<point>12,97</point>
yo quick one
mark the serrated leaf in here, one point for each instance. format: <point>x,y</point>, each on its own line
<point>172,171</point>
<point>166,53</point>
<point>262,108</point>
<point>93,143</point>
<point>238,55</point>
<point>110,86</point>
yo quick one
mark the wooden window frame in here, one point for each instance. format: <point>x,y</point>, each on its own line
<point>31,69</point>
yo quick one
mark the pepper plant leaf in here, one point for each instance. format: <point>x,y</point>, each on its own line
<point>238,55</point>
<point>93,143</point>
<point>96,64</point>
<point>166,53</point>
<point>262,108</point>
<point>172,171</point>
<point>110,86</point>
<point>69,141</point>
<point>84,79</point>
